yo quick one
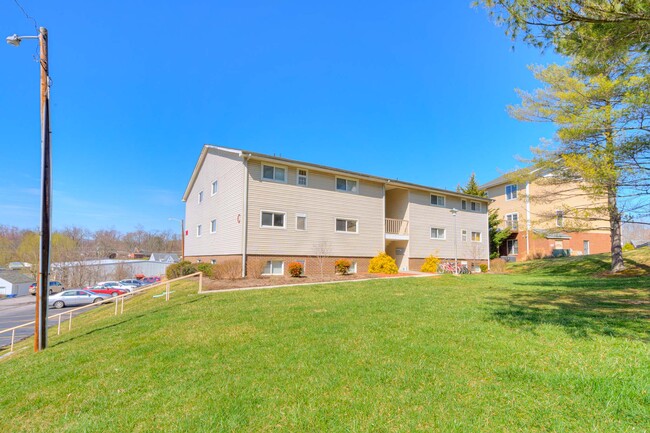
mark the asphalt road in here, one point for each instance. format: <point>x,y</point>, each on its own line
<point>17,311</point>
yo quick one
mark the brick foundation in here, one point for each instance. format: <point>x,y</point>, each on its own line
<point>415,264</point>
<point>541,247</point>
<point>312,265</point>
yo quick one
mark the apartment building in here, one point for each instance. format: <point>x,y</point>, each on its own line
<point>546,219</point>
<point>259,208</point>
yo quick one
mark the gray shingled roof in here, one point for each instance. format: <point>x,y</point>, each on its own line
<point>15,277</point>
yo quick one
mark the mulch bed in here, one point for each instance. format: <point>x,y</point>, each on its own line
<point>209,284</point>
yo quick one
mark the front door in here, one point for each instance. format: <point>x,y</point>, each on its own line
<point>585,247</point>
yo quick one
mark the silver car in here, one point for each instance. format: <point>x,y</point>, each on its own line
<point>71,298</point>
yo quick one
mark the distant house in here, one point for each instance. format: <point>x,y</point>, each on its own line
<point>19,265</point>
<point>14,283</point>
<point>164,258</point>
<point>640,243</point>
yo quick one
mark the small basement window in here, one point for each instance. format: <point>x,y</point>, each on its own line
<point>273,267</point>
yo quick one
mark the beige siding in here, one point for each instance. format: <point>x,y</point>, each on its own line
<point>423,216</point>
<point>322,204</point>
<point>397,204</point>
<point>225,206</point>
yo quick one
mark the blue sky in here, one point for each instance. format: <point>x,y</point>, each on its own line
<point>416,92</point>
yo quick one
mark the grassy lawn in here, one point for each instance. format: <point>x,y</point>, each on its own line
<point>531,351</point>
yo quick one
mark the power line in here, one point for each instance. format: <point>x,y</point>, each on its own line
<point>28,16</point>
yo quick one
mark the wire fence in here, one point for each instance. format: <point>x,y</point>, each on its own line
<point>119,306</point>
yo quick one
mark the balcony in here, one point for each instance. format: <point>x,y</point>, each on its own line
<point>396,229</point>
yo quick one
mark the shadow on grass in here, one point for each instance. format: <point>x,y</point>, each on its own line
<point>581,307</point>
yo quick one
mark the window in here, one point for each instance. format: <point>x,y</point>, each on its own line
<point>512,221</point>
<point>213,262</point>
<point>213,226</point>
<point>476,236</point>
<point>353,268</point>
<point>273,267</point>
<point>475,206</point>
<point>302,177</point>
<point>511,192</point>
<point>463,235</point>
<point>463,204</point>
<point>437,233</point>
<point>347,185</point>
<point>304,266</point>
<point>513,247</point>
<point>200,196</point>
<point>347,226</point>
<point>301,221</point>
<point>437,200</point>
<point>271,172</point>
<point>198,230</point>
<point>559,218</point>
<point>214,187</point>
<point>273,219</point>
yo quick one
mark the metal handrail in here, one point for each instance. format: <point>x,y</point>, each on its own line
<point>115,299</point>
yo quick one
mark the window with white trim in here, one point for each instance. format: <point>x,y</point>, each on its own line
<point>200,196</point>
<point>215,187</point>
<point>304,267</point>
<point>437,200</point>
<point>475,206</point>
<point>353,268</point>
<point>463,204</point>
<point>213,262</point>
<point>513,247</point>
<point>273,172</point>
<point>511,192</point>
<point>437,233</point>
<point>512,221</point>
<point>347,185</point>
<point>559,218</point>
<point>213,226</point>
<point>273,219</point>
<point>347,225</point>
<point>301,221</point>
<point>198,230</point>
<point>463,235</point>
<point>476,236</point>
<point>301,178</point>
<point>273,267</point>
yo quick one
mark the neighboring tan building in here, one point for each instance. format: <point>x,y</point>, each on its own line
<point>269,211</point>
<point>544,219</point>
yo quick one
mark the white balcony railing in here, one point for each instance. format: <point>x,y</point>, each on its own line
<point>397,227</point>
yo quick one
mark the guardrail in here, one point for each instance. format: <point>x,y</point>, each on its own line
<point>116,299</point>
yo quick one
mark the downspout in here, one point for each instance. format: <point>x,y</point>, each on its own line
<point>527,218</point>
<point>244,220</point>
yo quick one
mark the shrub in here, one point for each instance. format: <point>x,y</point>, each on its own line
<point>342,266</point>
<point>430,264</point>
<point>295,269</point>
<point>484,267</point>
<point>498,265</point>
<point>382,263</point>
<point>206,268</point>
<point>230,269</point>
<point>180,269</point>
<point>254,267</point>
<point>628,246</point>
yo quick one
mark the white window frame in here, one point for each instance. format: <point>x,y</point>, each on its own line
<point>480,237</point>
<point>444,200</point>
<point>510,226</point>
<point>214,187</point>
<point>356,220</point>
<point>286,173</point>
<point>463,235</point>
<point>476,205</point>
<point>298,176</point>
<point>301,215</point>
<point>213,261</point>
<point>514,191</point>
<point>353,268</point>
<point>559,218</point>
<point>509,244</point>
<point>272,273</point>
<point>199,229</point>
<point>346,179</point>
<point>463,204</point>
<point>444,233</point>
<point>284,220</point>
<point>200,197</point>
<point>303,262</point>
<point>213,225</point>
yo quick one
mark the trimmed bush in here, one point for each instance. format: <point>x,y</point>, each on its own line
<point>498,265</point>
<point>295,269</point>
<point>382,263</point>
<point>628,246</point>
<point>180,269</point>
<point>206,268</point>
<point>342,266</point>
<point>230,269</point>
<point>430,264</point>
<point>484,267</point>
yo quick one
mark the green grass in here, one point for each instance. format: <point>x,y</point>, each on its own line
<point>485,353</point>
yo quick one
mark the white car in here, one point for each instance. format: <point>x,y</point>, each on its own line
<point>72,298</point>
<point>116,285</point>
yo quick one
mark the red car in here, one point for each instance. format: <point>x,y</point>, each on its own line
<point>106,290</point>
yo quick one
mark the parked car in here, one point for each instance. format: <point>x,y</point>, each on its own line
<point>137,283</point>
<point>116,285</point>
<point>55,287</point>
<point>113,291</point>
<point>71,298</point>
<point>151,280</point>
